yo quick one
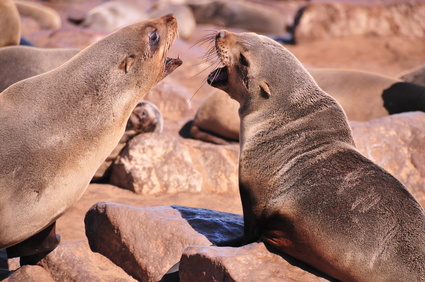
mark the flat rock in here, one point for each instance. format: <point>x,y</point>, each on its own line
<point>158,163</point>
<point>147,241</point>
<point>396,143</point>
<point>339,18</point>
<point>251,262</point>
<point>74,261</point>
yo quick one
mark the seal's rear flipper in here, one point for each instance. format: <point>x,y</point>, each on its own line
<point>36,247</point>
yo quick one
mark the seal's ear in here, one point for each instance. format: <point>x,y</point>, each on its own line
<point>265,91</point>
<point>127,63</point>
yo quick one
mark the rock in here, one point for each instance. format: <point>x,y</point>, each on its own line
<point>251,262</point>
<point>144,118</point>
<point>157,163</point>
<point>415,75</point>
<point>323,19</point>
<point>396,143</point>
<point>147,241</point>
<point>30,273</point>
<point>73,261</point>
<point>171,99</point>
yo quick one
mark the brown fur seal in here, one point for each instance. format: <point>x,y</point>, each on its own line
<point>58,127</point>
<point>362,95</point>
<point>217,120</point>
<point>306,190</point>
<point>10,24</point>
<point>241,14</point>
<point>29,61</point>
<point>46,17</point>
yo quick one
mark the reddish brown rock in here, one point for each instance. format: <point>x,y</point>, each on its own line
<point>397,143</point>
<point>74,261</point>
<point>252,262</point>
<point>338,18</point>
<point>171,99</point>
<point>145,241</point>
<point>158,163</point>
<point>30,273</point>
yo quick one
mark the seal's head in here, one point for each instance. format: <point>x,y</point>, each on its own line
<point>250,63</point>
<point>138,53</point>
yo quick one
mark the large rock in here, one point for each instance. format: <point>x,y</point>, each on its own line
<point>252,262</point>
<point>74,261</point>
<point>171,99</point>
<point>322,19</point>
<point>147,241</point>
<point>396,143</point>
<point>30,273</point>
<point>157,163</point>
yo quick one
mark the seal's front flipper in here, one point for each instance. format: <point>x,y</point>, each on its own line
<point>36,247</point>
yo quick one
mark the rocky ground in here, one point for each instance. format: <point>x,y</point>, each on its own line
<point>173,170</point>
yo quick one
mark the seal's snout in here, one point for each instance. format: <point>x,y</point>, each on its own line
<point>221,34</point>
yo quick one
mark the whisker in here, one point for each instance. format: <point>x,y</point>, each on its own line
<point>205,81</point>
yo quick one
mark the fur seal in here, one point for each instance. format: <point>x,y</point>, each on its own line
<point>58,127</point>
<point>362,95</point>
<point>306,190</point>
<point>242,14</point>
<point>111,15</point>
<point>46,17</point>
<point>10,24</point>
<point>30,61</point>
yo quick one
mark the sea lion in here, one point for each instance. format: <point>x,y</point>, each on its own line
<point>363,96</point>
<point>30,61</point>
<point>305,189</point>
<point>58,127</point>
<point>242,14</point>
<point>217,120</point>
<point>145,118</point>
<point>46,17</point>
<point>111,15</point>
<point>10,24</point>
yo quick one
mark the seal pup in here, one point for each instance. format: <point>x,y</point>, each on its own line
<point>10,23</point>
<point>306,190</point>
<point>58,127</point>
<point>145,118</point>
<point>30,61</point>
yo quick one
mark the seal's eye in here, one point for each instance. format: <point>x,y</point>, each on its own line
<point>153,37</point>
<point>243,61</point>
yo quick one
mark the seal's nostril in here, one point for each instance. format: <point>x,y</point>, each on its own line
<point>221,34</point>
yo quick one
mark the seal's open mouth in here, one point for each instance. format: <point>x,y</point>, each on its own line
<point>219,77</point>
<point>171,64</point>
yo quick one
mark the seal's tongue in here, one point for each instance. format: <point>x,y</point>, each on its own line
<point>219,77</point>
<point>171,64</point>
